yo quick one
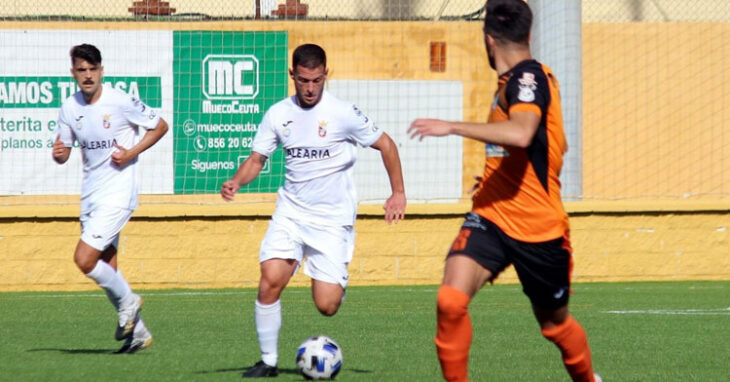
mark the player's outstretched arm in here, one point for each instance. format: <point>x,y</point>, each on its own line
<point>517,131</point>
<point>395,206</point>
<point>246,173</point>
<point>123,155</point>
<point>60,151</point>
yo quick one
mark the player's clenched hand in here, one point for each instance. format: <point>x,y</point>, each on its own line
<point>59,149</point>
<point>421,128</point>
<point>395,207</point>
<point>122,156</point>
<point>229,189</point>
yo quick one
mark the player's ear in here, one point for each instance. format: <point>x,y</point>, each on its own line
<point>326,71</point>
<point>291,74</point>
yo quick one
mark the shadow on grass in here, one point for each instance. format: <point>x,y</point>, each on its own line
<point>358,371</point>
<point>281,371</point>
<point>242,369</point>
<point>76,351</point>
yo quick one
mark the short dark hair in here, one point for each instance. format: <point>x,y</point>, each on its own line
<point>508,20</point>
<point>309,56</point>
<point>86,52</point>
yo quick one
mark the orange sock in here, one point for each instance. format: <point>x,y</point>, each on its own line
<point>571,339</point>
<point>453,335</point>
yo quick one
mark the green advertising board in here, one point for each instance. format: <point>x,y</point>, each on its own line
<point>224,83</point>
<point>44,92</point>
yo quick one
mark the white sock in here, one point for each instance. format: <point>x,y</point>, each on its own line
<point>268,323</point>
<point>123,285</point>
<point>139,327</point>
<point>114,284</point>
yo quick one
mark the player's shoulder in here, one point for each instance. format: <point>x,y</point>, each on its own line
<point>117,96</point>
<point>339,108</point>
<point>529,71</point>
<point>73,102</point>
<point>282,109</point>
<point>335,102</point>
<point>282,105</point>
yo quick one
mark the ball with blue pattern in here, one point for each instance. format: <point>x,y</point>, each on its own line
<point>319,358</point>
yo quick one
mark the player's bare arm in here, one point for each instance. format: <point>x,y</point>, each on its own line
<point>246,173</point>
<point>517,131</point>
<point>395,206</point>
<point>123,155</point>
<point>60,151</point>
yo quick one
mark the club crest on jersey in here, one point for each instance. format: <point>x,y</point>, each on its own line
<point>79,124</point>
<point>322,131</point>
<point>106,121</point>
<point>527,87</point>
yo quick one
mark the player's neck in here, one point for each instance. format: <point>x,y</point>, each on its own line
<point>91,98</point>
<point>509,58</point>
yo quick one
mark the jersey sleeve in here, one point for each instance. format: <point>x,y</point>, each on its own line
<point>138,113</point>
<point>63,129</point>
<point>265,141</point>
<point>528,90</point>
<point>362,129</point>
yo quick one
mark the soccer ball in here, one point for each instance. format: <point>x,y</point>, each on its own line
<point>319,358</point>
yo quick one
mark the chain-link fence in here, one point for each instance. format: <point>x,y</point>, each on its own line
<point>654,105</point>
<point>248,9</point>
<point>593,10</point>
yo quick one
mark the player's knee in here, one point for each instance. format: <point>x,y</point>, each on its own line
<point>272,286</point>
<point>85,264</point>
<point>449,306</point>
<point>328,308</point>
<point>557,332</point>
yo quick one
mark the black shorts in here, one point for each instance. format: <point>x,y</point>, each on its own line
<point>543,268</point>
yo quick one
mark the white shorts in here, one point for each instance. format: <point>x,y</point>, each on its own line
<point>327,249</point>
<point>100,227</point>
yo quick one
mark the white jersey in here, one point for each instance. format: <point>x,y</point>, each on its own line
<point>113,118</point>
<point>320,151</point>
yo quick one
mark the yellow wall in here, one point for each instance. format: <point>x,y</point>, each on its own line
<point>185,250</point>
<point>655,110</point>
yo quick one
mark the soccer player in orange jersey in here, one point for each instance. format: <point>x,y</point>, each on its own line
<point>517,216</point>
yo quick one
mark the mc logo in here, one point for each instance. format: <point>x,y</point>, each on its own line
<point>230,76</point>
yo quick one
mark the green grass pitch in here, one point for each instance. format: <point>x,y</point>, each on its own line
<point>671,331</point>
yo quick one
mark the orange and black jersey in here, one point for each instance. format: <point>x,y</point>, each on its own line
<point>520,189</point>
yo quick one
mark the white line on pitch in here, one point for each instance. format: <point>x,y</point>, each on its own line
<point>719,311</point>
<point>95,295</point>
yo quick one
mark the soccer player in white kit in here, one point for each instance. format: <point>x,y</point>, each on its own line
<point>317,205</point>
<point>105,123</point>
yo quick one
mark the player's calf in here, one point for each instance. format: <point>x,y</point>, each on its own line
<point>571,339</point>
<point>453,333</point>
